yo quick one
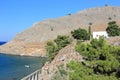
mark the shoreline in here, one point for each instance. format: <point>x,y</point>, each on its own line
<point>16,64</point>
<point>21,55</point>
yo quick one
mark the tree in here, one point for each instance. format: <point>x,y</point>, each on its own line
<point>109,18</point>
<point>78,71</point>
<point>90,29</point>
<point>80,34</point>
<point>103,59</point>
<point>62,41</point>
<point>113,29</point>
<point>98,43</point>
<point>53,47</point>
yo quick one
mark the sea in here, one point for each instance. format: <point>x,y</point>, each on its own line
<point>16,67</point>
<point>2,42</point>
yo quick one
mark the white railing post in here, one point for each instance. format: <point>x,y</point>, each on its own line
<point>33,76</point>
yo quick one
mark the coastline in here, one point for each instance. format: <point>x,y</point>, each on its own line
<point>23,54</point>
<point>14,66</point>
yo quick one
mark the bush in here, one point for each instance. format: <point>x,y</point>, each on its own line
<point>62,41</point>
<point>113,29</point>
<point>53,47</point>
<point>80,34</point>
<point>60,74</point>
<point>102,59</point>
<point>78,71</point>
<point>98,43</point>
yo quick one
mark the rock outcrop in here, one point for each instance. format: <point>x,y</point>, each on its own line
<point>32,41</point>
<point>114,41</point>
<point>64,56</point>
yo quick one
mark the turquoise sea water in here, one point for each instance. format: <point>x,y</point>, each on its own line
<point>14,67</point>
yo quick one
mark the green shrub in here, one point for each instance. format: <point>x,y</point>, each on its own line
<point>53,47</point>
<point>80,34</point>
<point>60,74</point>
<point>101,62</point>
<point>62,41</point>
<point>113,29</point>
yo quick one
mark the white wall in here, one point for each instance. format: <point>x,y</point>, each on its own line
<point>97,34</point>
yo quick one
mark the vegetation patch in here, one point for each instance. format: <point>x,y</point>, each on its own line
<point>102,62</point>
<point>61,74</point>
<point>113,29</point>
<point>80,34</point>
<point>53,47</point>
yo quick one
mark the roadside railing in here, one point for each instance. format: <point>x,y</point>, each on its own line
<point>33,76</point>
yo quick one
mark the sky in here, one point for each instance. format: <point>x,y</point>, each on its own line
<point>19,15</point>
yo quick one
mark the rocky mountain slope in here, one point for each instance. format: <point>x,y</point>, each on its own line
<point>32,41</point>
<point>64,56</point>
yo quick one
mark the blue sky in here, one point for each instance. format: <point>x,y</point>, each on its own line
<point>18,15</point>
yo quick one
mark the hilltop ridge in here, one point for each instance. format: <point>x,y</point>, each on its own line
<point>32,41</point>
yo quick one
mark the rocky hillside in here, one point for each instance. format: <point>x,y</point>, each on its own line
<point>32,41</point>
<point>64,56</point>
<point>114,41</point>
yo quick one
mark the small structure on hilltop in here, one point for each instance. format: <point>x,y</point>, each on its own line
<point>97,34</point>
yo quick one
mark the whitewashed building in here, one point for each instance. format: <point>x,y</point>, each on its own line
<point>97,34</point>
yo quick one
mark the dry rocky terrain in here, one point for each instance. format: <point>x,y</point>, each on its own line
<point>114,41</point>
<point>32,41</point>
<point>64,56</point>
